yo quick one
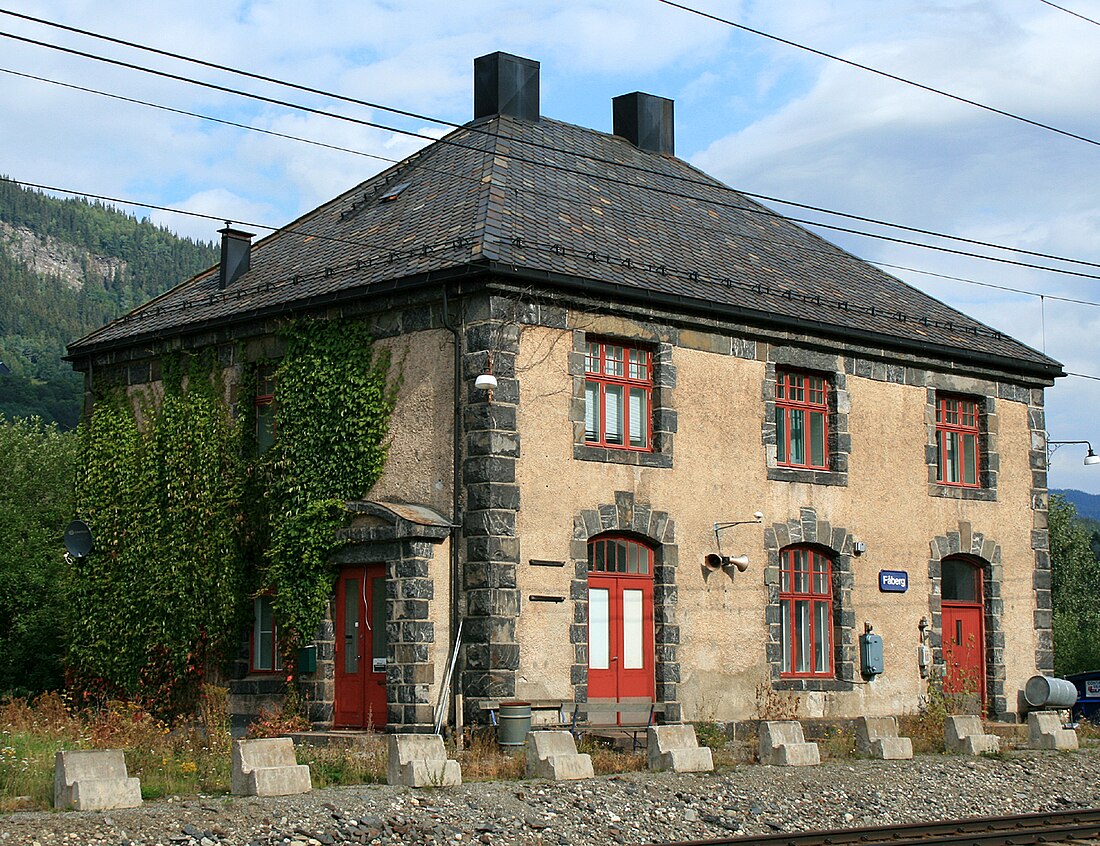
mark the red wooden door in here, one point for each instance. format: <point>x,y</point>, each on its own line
<point>963,629</point>
<point>361,646</point>
<point>620,638</point>
<point>963,650</point>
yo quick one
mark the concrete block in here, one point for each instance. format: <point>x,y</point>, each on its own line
<point>877,737</point>
<point>891,748</point>
<point>959,727</point>
<point>93,780</point>
<point>783,744</point>
<point>553,755</point>
<point>676,748</point>
<point>420,760</point>
<point>1045,731</point>
<point>267,767</point>
<point>980,744</point>
<point>796,755</point>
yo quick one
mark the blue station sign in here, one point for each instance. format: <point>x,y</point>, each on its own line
<point>893,581</point>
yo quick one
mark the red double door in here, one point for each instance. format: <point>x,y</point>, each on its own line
<point>361,646</point>
<point>620,638</point>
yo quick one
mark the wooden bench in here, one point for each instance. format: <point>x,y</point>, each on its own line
<point>616,720</point>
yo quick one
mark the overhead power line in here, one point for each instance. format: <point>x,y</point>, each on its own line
<point>1070,12</point>
<point>709,184</point>
<point>713,185</point>
<point>885,74</point>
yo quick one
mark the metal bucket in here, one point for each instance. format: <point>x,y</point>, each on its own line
<point>513,723</point>
<point>1049,692</point>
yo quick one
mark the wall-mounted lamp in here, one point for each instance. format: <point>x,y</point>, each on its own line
<point>485,382</point>
<point>1090,458</point>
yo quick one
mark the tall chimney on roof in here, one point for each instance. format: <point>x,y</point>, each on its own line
<point>506,85</point>
<point>236,255</point>
<point>645,121</point>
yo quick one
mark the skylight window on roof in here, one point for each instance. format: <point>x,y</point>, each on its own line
<point>393,193</point>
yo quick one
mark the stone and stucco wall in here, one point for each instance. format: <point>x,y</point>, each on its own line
<point>879,494</point>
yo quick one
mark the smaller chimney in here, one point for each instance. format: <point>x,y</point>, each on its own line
<point>506,85</point>
<point>645,121</point>
<point>236,255</point>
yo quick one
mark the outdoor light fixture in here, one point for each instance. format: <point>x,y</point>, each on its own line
<point>1090,458</point>
<point>487,381</point>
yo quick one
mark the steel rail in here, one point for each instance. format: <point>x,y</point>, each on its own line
<point>1013,830</point>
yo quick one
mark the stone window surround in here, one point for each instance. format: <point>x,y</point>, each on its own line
<point>639,520</point>
<point>663,412</point>
<point>808,530</point>
<point>986,553</point>
<point>985,395</point>
<point>839,439</point>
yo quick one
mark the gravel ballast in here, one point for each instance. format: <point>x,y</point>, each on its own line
<point>630,808</point>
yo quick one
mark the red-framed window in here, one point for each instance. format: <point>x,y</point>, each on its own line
<point>265,637</point>
<point>802,420</point>
<point>618,396</point>
<point>806,613</point>
<point>264,405</point>
<point>957,439</point>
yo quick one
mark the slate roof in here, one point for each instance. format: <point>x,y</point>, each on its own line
<point>565,204</point>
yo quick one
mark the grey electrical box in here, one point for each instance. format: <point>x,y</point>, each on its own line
<point>870,654</point>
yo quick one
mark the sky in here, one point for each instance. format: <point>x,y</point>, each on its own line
<point>761,115</point>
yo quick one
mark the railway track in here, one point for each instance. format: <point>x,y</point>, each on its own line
<point>1016,830</point>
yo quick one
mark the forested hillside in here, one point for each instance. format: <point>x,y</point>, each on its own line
<point>66,268</point>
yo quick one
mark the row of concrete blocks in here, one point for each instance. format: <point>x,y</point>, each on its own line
<point>783,744</point>
<point>98,779</point>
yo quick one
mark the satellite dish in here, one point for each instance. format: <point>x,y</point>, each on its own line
<point>78,539</point>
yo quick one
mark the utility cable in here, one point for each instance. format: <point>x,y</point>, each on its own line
<point>679,195</point>
<point>886,74</point>
<point>197,115</point>
<point>551,195</point>
<point>1006,288</point>
<point>356,101</point>
<point>1070,12</point>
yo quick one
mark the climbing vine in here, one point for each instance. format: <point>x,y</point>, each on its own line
<point>159,597</point>
<point>186,517</point>
<point>333,398</point>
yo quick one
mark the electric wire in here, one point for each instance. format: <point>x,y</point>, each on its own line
<point>711,185</point>
<point>389,255</point>
<point>1007,288</point>
<point>535,192</point>
<point>1070,12</point>
<point>886,74</point>
<point>603,177</point>
<point>197,115</point>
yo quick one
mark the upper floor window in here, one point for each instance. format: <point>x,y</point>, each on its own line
<point>806,613</point>
<point>265,636</point>
<point>618,391</point>
<point>802,420</point>
<point>264,404</point>
<point>957,439</point>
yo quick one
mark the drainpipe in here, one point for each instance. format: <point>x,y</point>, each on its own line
<point>456,516</point>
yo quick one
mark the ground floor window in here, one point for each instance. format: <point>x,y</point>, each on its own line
<point>265,636</point>
<point>806,613</point>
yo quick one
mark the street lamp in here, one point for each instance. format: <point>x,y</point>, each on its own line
<point>1090,458</point>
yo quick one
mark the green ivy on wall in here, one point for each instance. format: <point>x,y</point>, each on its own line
<point>160,596</point>
<point>186,517</point>
<point>333,403</point>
